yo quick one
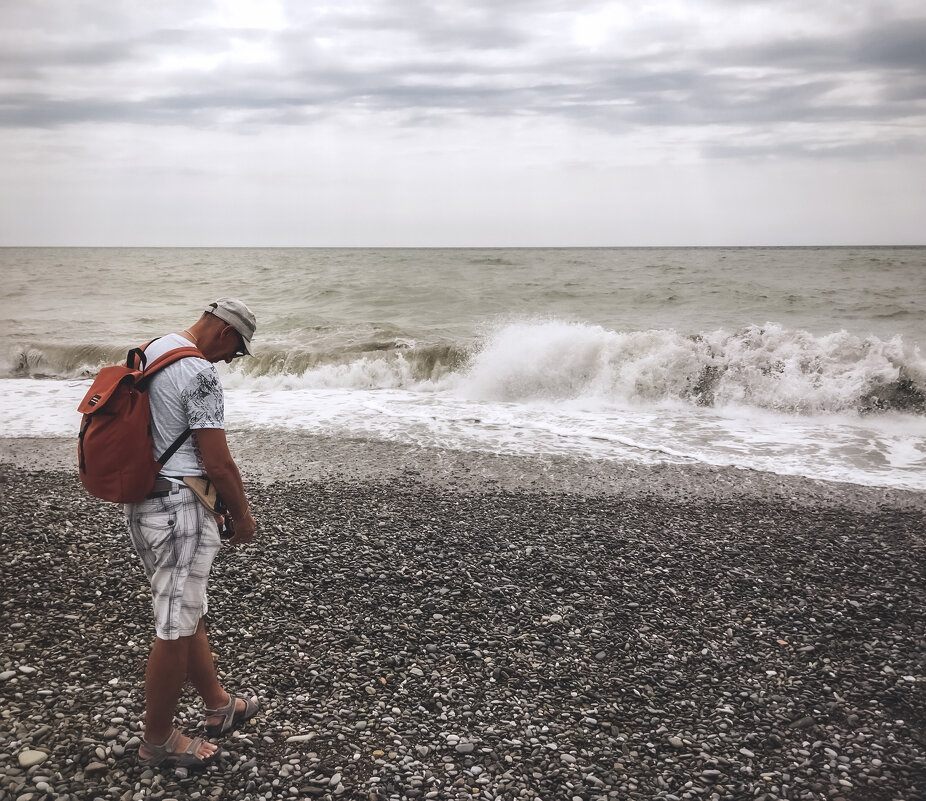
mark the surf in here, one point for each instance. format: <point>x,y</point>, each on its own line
<point>768,367</point>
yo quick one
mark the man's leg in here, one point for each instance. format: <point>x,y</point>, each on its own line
<point>164,678</point>
<point>177,567</point>
<point>201,672</point>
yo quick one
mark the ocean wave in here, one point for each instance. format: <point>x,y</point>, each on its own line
<point>363,364</point>
<point>61,361</point>
<point>768,367</point>
<point>369,365</point>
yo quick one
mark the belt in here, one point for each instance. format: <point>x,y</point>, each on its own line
<point>163,487</point>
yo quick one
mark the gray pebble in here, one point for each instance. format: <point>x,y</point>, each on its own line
<point>30,757</point>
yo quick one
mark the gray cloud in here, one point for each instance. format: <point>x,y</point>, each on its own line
<point>889,46</point>
<point>477,29</point>
<point>895,45</point>
<point>900,146</point>
<point>422,61</point>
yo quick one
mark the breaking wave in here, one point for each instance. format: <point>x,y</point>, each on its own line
<point>371,364</point>
<point>62,361</point>
<point>768,367</point>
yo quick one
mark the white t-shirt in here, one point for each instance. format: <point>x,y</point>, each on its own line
<point>185,394</point>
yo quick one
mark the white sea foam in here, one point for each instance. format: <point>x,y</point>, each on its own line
<point>883,450</point>
<point>391,371</point>
<point>764,367</point>
<point>768,367</point>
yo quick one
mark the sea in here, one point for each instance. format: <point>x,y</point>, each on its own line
<point>797,361</point>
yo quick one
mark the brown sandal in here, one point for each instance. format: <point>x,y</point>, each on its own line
<point>232,716</point>
<point>167,753</point>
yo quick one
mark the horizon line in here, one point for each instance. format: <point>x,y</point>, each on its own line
<point>469,247</point>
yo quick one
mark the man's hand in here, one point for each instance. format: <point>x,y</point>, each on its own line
<point>244,530</point>
<point>222,470</point>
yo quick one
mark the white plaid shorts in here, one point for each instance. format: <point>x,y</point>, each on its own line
<point>177,540</point>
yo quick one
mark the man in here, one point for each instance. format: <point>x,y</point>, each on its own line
<point>177,538</point>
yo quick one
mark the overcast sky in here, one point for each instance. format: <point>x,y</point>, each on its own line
<point>484,122</point>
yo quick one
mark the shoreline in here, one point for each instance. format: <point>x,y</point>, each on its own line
<point>269,456</point>
<point>424,625</point>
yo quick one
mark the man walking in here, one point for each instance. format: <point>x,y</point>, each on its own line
<point>177,538</point>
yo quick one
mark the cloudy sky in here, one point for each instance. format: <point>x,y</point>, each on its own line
<point>444,122</point>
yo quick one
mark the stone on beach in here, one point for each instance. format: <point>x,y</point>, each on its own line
<point>28,758</point>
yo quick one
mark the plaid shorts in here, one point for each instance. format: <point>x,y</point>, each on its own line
<point>177,540</point>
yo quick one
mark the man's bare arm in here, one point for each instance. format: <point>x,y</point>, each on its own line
<point>223,472</point>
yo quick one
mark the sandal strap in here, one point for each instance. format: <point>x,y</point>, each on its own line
<point>170,744</point>
<point>251,706</point>
<point>167,754</point>
<point>227,712</point>
<point>223,710</point>
<point>158,753</point>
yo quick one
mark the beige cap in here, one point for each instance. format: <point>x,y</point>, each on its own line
<point>236,314</point>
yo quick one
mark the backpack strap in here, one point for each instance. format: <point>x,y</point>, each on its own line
<point>174,447</point>
<point>148,371</point>
<point>169,358</point>
<point>136,360</point>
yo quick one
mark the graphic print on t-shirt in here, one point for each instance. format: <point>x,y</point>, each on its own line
<point>203,399</point>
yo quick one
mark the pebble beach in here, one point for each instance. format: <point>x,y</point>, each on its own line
<point>425,624</point>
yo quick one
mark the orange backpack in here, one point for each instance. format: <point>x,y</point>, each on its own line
<point>115,448</point>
